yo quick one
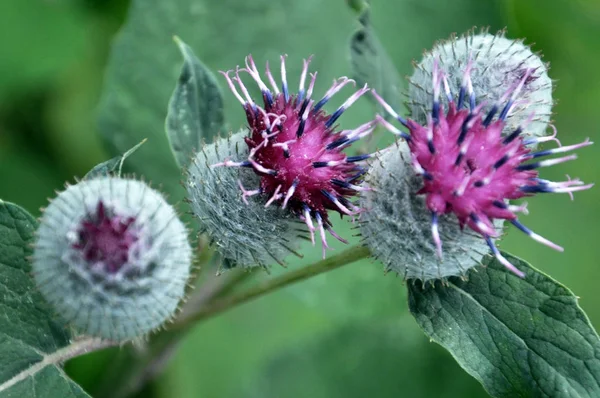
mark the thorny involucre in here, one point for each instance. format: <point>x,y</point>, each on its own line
<point>497,63</point>
<point>469,169</point>
<point>112,257</point>
<point>296,149</point>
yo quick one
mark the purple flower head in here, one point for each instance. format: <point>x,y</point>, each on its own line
<point>106,238</point>
<point>296,149</point>
<point>470,169</point>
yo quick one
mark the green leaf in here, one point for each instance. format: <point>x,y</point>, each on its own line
<point>112,167</point>
<point>144,64</point>
<point>518,337</point>
<point>371,63</point>
<point>31,341</point>
<point>195,109</point>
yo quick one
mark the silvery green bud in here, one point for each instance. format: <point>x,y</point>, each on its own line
<point>112,258</point>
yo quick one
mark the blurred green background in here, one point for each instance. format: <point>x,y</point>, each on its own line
<point>342,334</point>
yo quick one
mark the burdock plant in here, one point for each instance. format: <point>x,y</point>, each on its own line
<point>110,261</point>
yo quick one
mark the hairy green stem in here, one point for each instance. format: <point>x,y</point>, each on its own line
<point>151,363</point>
<point>348,256</point>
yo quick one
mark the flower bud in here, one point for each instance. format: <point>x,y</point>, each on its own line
<point>112,258</point>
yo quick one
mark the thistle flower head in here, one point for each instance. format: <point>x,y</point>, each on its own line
<point>112,257</point>
<point>469,169</point>
<point>296,149</point>
<point>495,63</point>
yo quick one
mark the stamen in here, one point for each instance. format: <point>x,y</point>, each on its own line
<point>229,163</point>
<point>311,85</point>
<point>543,188</point>
<point>358,158</point>
<point>253,71</point>
<point>463,150</point>
<point>561,149</point>
<point>361,131</point>
<point>257,166</point>
<point>545,163</point>
<point>447,88</point>
<point>285,147</point>
<point>336,202</point>
<point>430,126</point>
<point>271,80</point>
<point>305,63</point>
<point>336,143</point>
<point>466,126</point>
<point>284,86</point>
<point>246,193</point>
<point>463,186</point>
<point>481,225</point>
<point>514,95</point>
<point>309,223</point>
<point>465,84</point>
<point>243,87</point>
<point>300,130</point>
<point>361,172</point>
<point>391,127</point>
<point>419,169</point>
<point>568,186</point>
<point>232,87</point>
<point>539,140</point>
<point>502,259</point>
<point>535,236</point>
<point>435,109</point>
<point>389,109</point>
<point>337,86</point>
<point>335,235</point>
<point>290,192</point>
<point>348,103</point>
<point>347,185</point>
<point>276,196</point>
<point>322,232</point>
<point>436,234</point>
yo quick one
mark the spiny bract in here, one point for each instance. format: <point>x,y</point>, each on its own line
<point>246,235</point>
<point>297,151</point>
<point>396,223</point>
<point>112,258</point>
<point>469,169</point>
<point>496,64</point>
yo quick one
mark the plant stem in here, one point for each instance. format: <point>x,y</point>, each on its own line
<point>138,373</point>
<point>220,305</point>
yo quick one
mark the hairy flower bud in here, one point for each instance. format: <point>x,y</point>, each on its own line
<point>246,232</point>
<point>496,63</point>
<point>112,258</point>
